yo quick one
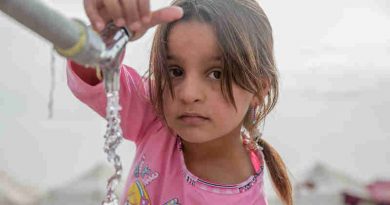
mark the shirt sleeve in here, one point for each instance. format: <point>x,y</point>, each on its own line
<point>137,113</point>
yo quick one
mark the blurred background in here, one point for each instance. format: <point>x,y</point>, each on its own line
<point>330,124</point>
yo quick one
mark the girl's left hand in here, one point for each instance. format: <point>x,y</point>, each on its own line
<point>133,14</point>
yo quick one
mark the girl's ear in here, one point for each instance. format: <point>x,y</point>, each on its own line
<point>255,101</point>
<point>258,98</point>
<point>265,88</point>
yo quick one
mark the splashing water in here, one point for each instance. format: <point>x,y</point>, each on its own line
<point>113,138</point>
<point>113,36</point>
<point>52,83</point>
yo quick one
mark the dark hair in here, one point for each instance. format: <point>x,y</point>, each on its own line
<point>245,38</point>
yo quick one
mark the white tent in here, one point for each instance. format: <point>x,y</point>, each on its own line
<point>88,189</point>
<point>322,185</point>
<point>13,193</point>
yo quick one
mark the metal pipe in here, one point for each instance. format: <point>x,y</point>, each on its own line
<point>73,39</point>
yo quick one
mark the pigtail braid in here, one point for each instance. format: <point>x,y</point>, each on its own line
<point>278,172</point>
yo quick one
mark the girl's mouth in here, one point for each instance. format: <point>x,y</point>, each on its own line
<point>193,119</point>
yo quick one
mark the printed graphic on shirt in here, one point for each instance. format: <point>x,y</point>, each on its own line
<point>144,173</point>
<point>172,202</point>
<point>137,195</point>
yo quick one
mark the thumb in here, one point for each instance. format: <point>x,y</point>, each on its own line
<point>166,15</point>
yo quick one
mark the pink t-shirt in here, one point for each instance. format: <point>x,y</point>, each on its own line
<point>159,175</point>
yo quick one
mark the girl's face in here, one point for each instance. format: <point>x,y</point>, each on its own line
<point>199,112</point>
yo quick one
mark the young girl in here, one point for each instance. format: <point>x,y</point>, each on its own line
<point>212,80</point>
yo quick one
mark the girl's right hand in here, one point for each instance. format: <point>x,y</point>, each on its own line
<point>133,14</point>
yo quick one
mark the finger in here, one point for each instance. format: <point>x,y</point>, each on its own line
<point>105,15</point>
<point>114,9</point>
<point>138,34</point>
<point>144,9</point>
<point>132,15</point>
<point>91,9</point>
<point>166,15</point>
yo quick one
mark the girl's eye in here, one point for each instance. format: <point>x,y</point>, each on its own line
<point>215,74</point>
<point>175,72</point>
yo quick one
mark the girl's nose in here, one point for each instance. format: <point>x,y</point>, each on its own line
<point>191,90</point>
